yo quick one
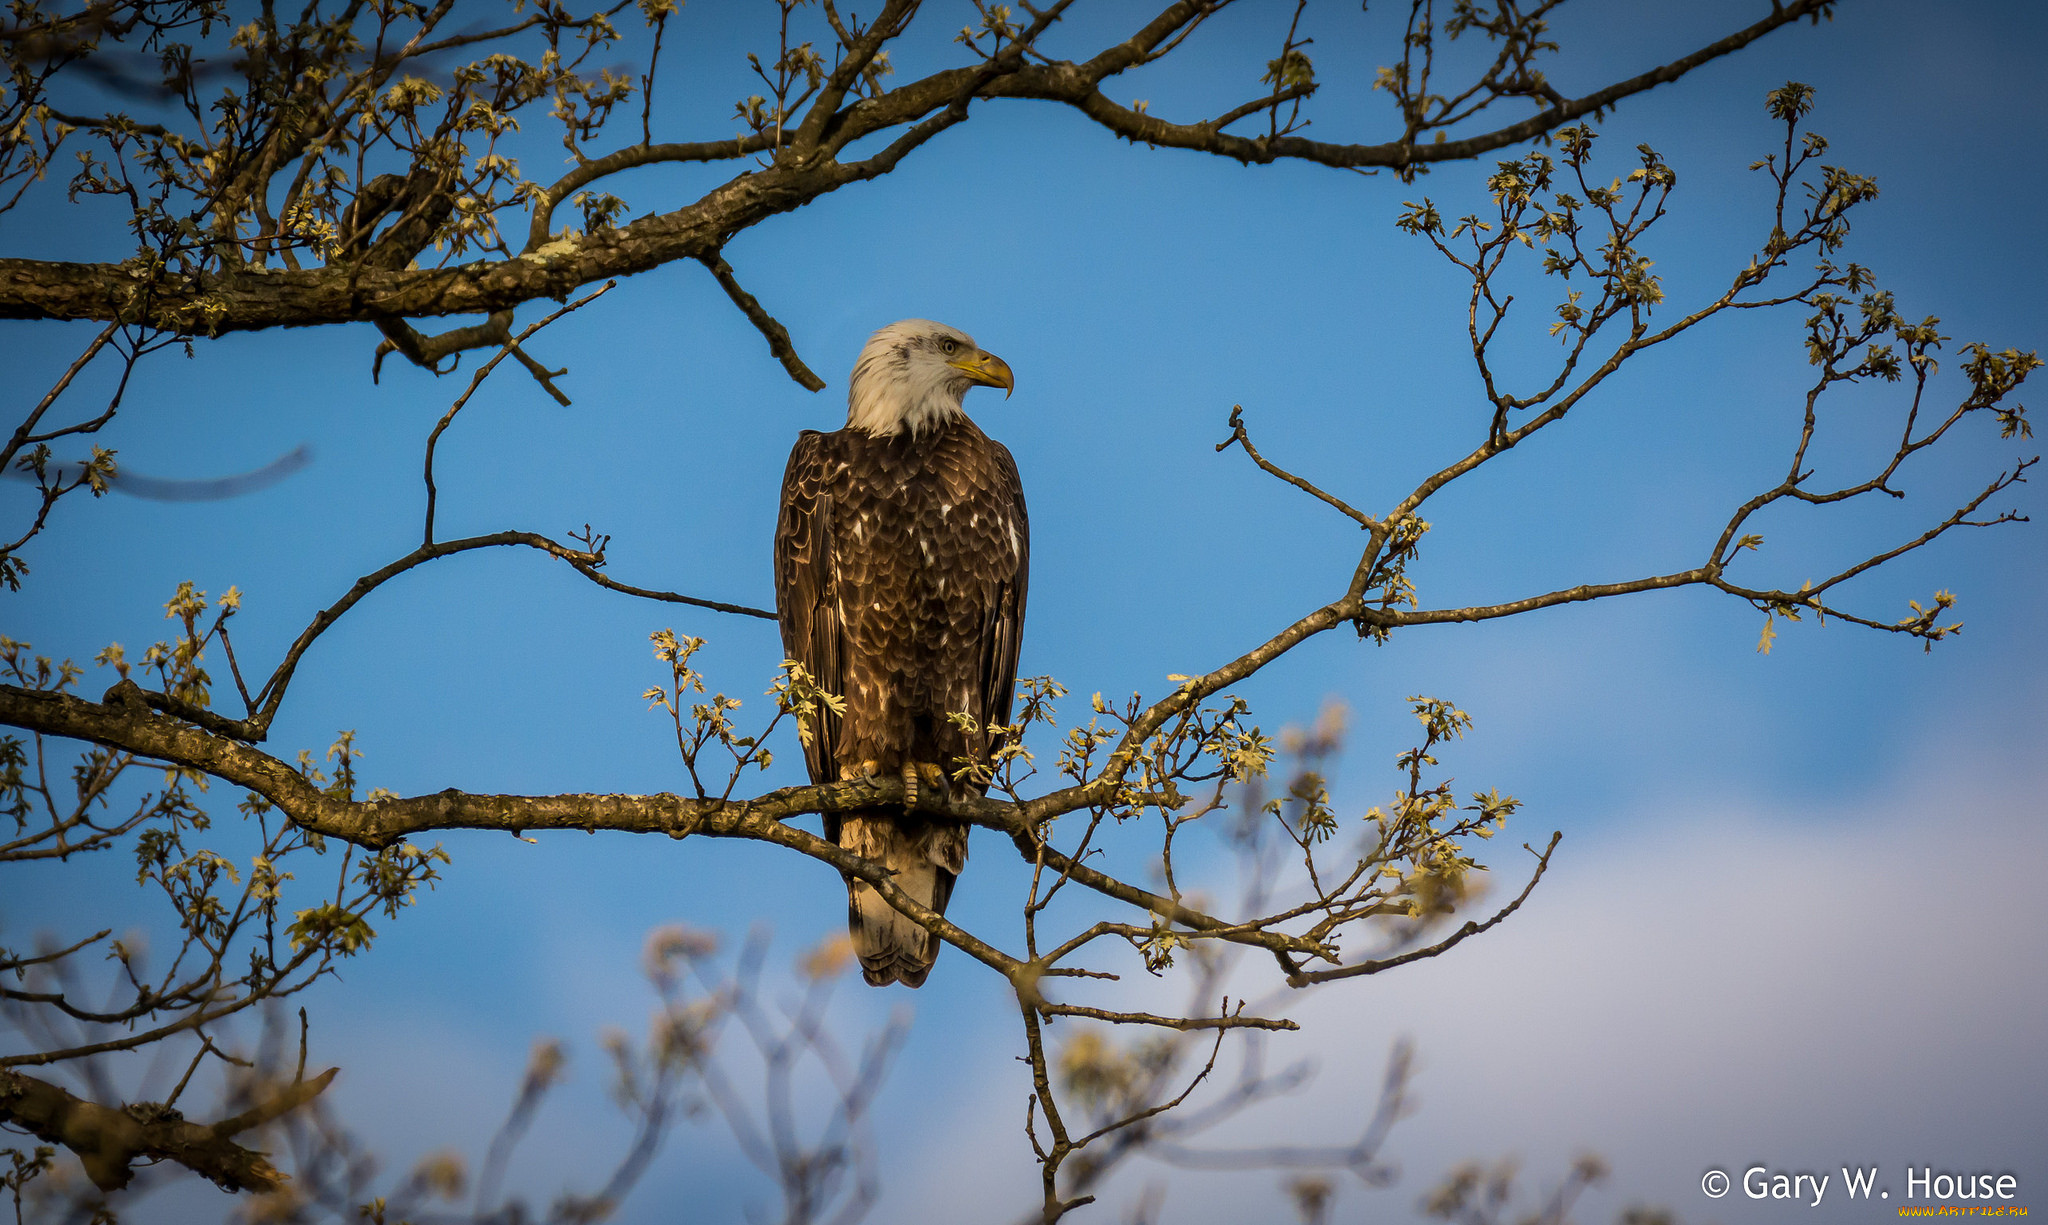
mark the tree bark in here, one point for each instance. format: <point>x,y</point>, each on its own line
<point>109,1141</point>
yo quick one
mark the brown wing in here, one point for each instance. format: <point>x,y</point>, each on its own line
<point>806,595</point>
<point>1003,636</point>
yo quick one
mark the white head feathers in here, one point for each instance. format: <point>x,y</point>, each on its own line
<point>912,375</point>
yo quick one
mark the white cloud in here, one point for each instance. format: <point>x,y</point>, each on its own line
<point>1716,984</point>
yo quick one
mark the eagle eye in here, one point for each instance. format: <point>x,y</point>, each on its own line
<point>950,345</point>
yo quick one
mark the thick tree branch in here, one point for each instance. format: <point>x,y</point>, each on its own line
<point>109,1141</point>
<point>555,266</point>
<point>246,301</point>
<point>124,722</point>
<point>539,230</point>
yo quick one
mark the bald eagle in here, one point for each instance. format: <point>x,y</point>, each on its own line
<point>901,555</point>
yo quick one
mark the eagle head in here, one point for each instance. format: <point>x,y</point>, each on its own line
<point>912,375</point>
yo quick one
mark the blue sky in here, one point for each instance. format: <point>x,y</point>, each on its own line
<point>1795,918</point>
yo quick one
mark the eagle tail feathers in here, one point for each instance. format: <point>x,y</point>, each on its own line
<point>925,858</point>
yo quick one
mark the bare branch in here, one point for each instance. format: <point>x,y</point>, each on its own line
<point>1078,86</point>
<point>27,428</point>
<point>1240,437</point>
<point>1184,1024</point>
<point>777,335</point>
<point>586,563</point>
<point>511,345</point>
<point>17,963</point>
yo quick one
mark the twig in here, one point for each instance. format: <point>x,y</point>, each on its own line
<point>1442,946</point>
<point>511,346</point>
<point>1239,437</point>
<point>777,336</point>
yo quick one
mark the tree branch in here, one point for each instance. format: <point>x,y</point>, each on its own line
<point>1078,86</point>
<point>1551,599</point>
<point>778,336</point>
<point>256,725</point>
<point>427,351</point>
<point>1471,928</point>
<point>510,345</point>
<point>109,1141</point>
<point>555,266</point>
<point>1240,437</point>
<point>122,721</point>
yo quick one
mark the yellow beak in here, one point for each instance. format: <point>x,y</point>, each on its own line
<point>988,370</point>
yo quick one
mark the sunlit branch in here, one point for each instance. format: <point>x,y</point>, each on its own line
<point>770,328</point>
<point>108,1141</point>
<point>1240,437</point>
<point>1569,595</point>
<point>1186,1024</point>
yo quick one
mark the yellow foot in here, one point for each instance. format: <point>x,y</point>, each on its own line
<point>919,776</point>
